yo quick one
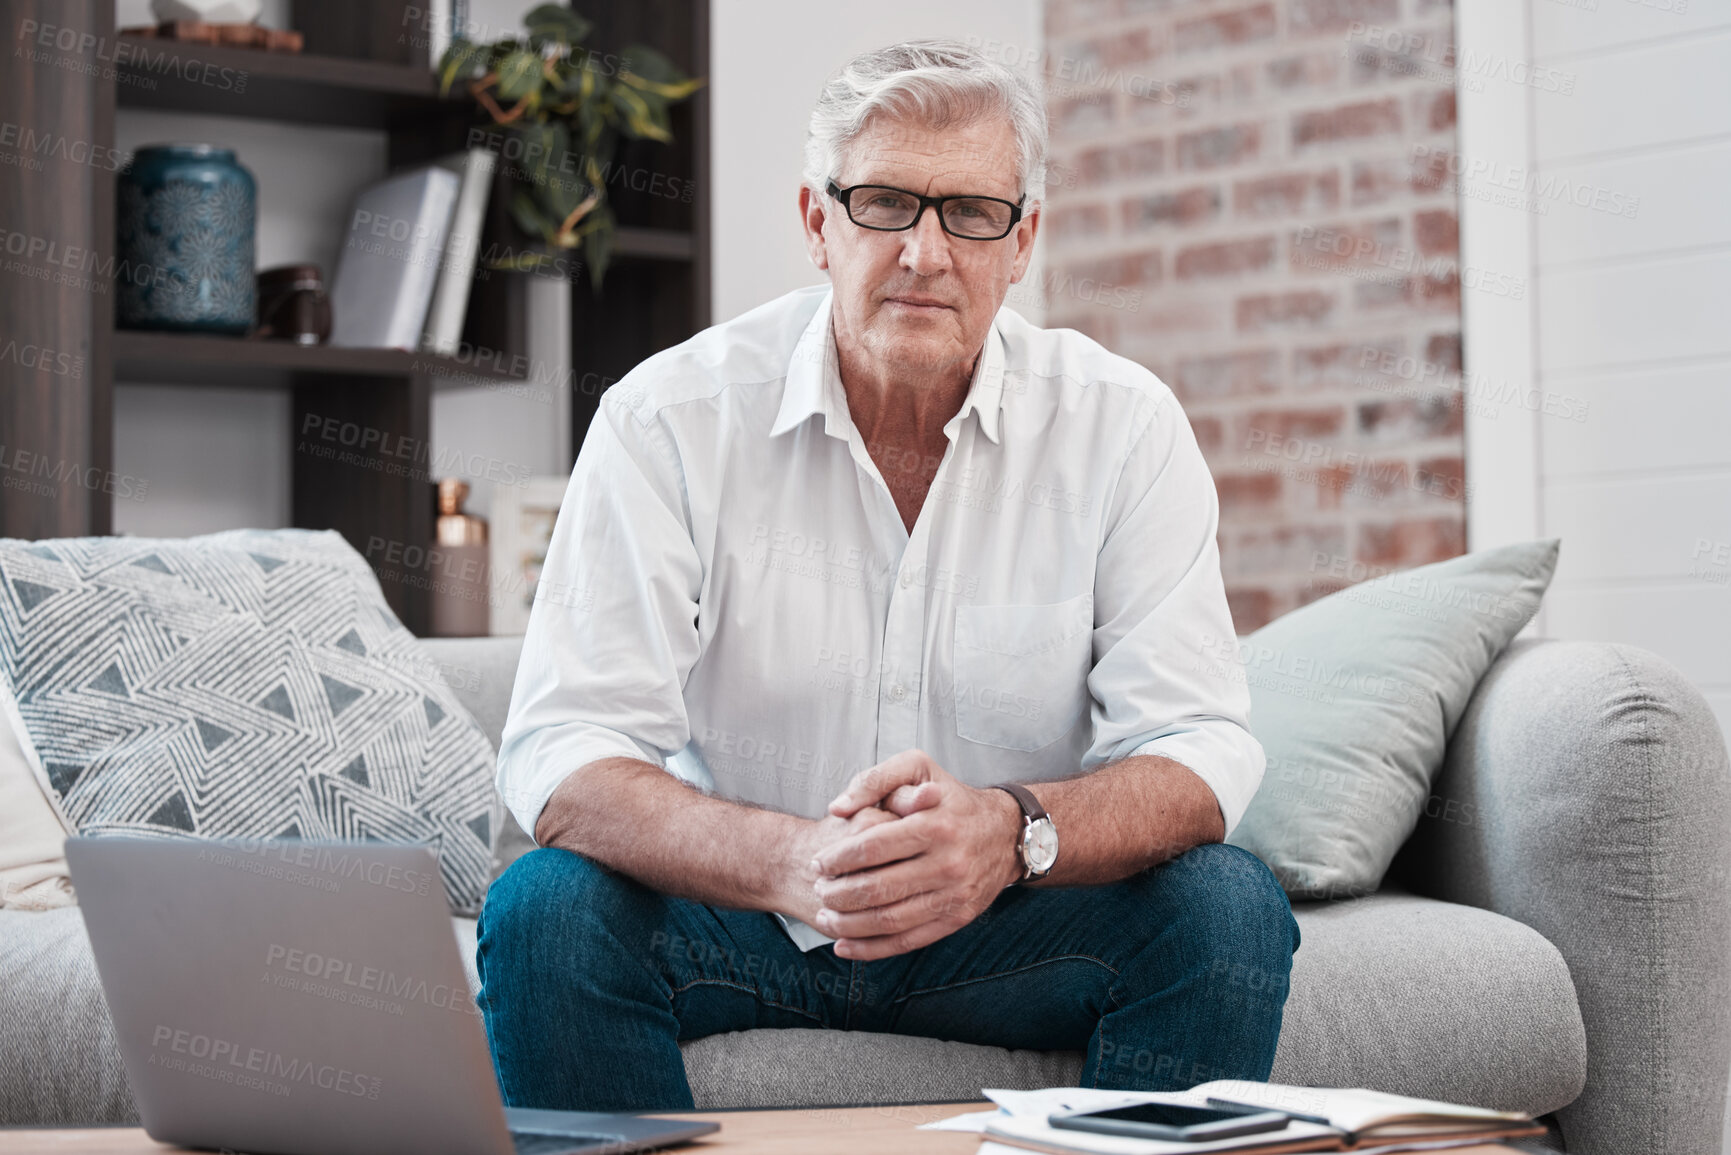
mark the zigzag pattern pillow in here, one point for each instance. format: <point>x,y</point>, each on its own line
<point>248,684</point>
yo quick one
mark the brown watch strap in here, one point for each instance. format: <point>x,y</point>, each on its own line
<point>1030,805</point>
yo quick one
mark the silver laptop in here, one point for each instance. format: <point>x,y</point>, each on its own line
<point>301,998</point>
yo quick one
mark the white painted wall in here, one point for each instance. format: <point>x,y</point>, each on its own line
<point>768,59</point>
<point>1630,314</point>
<point>212,458</point>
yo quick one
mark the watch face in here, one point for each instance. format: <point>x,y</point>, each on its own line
<point>1040,842</point>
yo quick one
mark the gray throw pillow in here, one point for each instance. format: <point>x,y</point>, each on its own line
<point>1353,698</point>
<point>250,684</point>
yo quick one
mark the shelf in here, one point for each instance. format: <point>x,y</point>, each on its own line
<point>286,86</point>
<point>365,69</point>
<point>197,359</point>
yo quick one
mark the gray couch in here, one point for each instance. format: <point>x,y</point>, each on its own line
<point>1554,938</point>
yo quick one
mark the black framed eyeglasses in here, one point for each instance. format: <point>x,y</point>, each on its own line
<point>890,210</point>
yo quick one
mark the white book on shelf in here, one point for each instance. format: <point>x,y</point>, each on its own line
<point>444,329</point>
<point>390,259</point>
<point>436,22</point>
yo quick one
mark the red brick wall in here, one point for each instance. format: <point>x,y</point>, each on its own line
<point>1240,199</point>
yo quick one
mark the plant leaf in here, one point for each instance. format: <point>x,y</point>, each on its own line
<point>640,118</point>
<point>665,91</point>
<point>530,218</point>
<point>598,245</point>
<point>565,184</point>
<point>649,71</point>
<point>576,79</point>
<point>458,63</point>
<point>649,64</point>
<point>556,22</point>
<point>519,75</point>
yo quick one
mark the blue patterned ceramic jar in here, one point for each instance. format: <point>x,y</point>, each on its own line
<point>186,217</point>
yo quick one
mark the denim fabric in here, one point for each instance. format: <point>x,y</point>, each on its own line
<point>1168,978</point>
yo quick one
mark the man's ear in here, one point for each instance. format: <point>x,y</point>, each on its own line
<point>811,218</point>
<point>1026,229</point>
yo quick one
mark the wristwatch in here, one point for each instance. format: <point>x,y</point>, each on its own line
<point>1038,843</point>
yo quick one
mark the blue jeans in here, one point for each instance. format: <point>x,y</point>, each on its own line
<point>1168,978</point>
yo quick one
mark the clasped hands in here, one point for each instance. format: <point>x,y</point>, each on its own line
<point>906,855</point>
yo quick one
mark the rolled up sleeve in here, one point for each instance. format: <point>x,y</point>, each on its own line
<point>1158,683</point>
<point>612,635</point>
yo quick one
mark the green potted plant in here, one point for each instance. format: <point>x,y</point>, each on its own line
<point>570,106</point>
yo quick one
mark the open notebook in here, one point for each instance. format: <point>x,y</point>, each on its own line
<point>1343,1120</point>
<point>1367,1118</point>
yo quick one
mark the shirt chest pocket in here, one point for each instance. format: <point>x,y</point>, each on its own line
<point>1021,671</point>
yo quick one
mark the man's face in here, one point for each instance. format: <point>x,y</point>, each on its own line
<point>920,300</point>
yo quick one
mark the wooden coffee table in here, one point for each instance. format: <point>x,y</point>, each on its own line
<point>864,1130</point>
<point>791,1131</point>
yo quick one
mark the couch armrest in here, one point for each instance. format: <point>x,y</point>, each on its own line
<point>1586,793</point>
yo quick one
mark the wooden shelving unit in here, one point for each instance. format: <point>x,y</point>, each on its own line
<point>288,86</point>
<point>364,66</point>
<point>658,292</point>
<point>193,359</point>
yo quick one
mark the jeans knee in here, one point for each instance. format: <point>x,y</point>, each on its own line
<point>1239,919</point>
<point>555,896</point>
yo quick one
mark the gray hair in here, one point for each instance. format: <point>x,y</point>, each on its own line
<point>933,82</point>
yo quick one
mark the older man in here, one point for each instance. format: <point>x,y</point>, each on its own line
<point>862,609</point>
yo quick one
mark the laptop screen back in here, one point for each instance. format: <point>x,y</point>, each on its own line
<point>289,997</point>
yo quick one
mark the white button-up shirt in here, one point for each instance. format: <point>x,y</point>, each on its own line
<point>730,591</point>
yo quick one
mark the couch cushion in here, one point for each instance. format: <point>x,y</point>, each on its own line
<point>59,1062</point>
<point>1395,992</point>
<point>1419,997</point>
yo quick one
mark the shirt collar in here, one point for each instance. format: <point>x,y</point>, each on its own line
<point>813,382</point>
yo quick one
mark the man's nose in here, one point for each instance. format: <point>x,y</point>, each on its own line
<point>926,247</point>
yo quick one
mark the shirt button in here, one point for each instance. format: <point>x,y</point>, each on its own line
<point>907,578</point>
<point>897,693</point>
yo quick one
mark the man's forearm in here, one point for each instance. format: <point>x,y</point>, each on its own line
<point>1123,818</point>
<point>640,820</point>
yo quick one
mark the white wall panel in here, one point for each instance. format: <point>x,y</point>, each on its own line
<point>1643,418</point>
<point>1688,625</point>
<point>1622,314</point>
<point>1664,92</point>
<point>1641,527</point>
<point>1677,198</point>
<point>1561,28</point>
<point>1630,315</point>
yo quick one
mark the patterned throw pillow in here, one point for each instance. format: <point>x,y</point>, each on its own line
<point>248,684</point>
